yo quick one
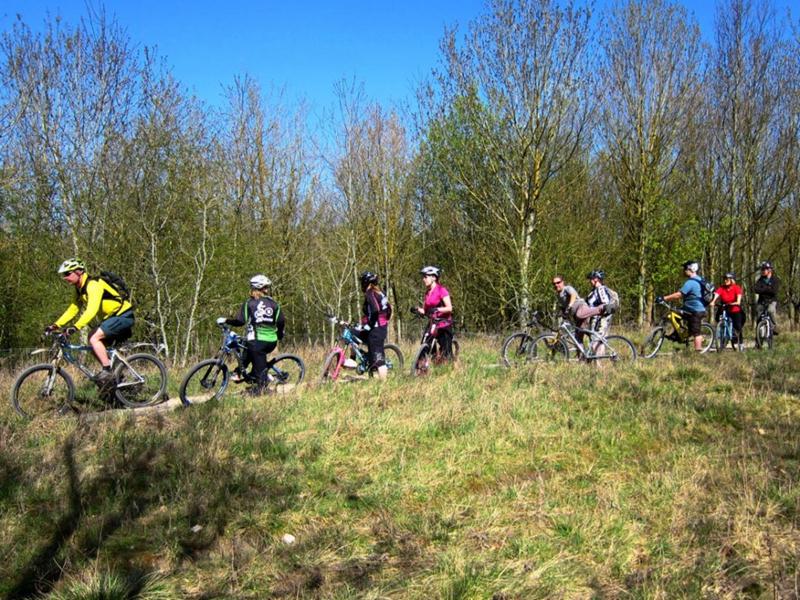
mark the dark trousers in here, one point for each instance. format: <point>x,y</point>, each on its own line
<point>257,353</point>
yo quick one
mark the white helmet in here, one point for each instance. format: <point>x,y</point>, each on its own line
<point>70,265</point>
<point>259,282</point>
<point>431,270</point>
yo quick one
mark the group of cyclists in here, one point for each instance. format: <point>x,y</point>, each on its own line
<point>259,313</point>
<point>264,320</point>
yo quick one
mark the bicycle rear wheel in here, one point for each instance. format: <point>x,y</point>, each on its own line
<point>652,345</point>
<point>515,350</point>
<point>140,382</point>
<point>42,390</point>
<point>285,373</point>
<point>620,349</point>
<point>206,380</point>
<point>330,366</point>
<point>548,348</point>
<point>393,357</point>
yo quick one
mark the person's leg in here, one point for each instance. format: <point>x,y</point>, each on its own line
<point>445,337</point>
<point>695,320</point>
<point>772,309</point>
<point>258,357</point>
<point>376,356</point>
<point>738,325</point>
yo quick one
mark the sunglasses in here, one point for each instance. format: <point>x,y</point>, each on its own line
<point>557,282</point>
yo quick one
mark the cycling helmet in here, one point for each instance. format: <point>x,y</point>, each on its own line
<point>70,265</point>
<point>596,274</point>
<point>368,277</point>
<point>691,265</point>
<point>431,270</point>
<point>259,282</point>
<point>766,265</point>
<point>730,275</point>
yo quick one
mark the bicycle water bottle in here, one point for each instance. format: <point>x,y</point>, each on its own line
<point>230,340</point>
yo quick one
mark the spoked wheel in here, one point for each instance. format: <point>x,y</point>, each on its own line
<point>285,373</point>
<point>206,380</point>
<point>394,358</point>
<point>421,365</point>
<point>516,349</point>
<point>548,348</point>
<point>140,382</point>
<point>41,390</point>
<point>723,337</point>
<point>653,343</point>
<point>620,349</point>
<point>763,334</point>
<point>330,366</point>
<point>707,331</point>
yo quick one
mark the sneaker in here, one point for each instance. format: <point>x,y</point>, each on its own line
<point>237,377</point>
<point>105,380</point>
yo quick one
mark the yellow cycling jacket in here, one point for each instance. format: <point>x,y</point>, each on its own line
<point>95,296</point>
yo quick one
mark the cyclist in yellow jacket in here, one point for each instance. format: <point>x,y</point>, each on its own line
<point>95,297</point>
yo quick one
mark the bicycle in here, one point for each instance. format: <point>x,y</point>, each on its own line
<point>515,349</point>
<point>765,328</point>
<point>337,358</point>
<point>139,380</point>
<point>429,352</point>
<point>208,379</point>
<point>679,334</point>
<point>555,346</point>
<point>725,333</point>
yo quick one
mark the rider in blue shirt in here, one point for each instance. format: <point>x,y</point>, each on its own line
<point>693,307</point>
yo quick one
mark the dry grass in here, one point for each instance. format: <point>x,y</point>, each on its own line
<point>670,478</point>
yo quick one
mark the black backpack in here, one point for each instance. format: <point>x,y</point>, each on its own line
<point>117,283</point>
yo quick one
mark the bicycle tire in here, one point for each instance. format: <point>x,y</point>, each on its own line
<point>421,365</point>
<point>763,334</point>
<point>330,366</point>
<point>724,334</point>
<point>207,380</point>
<point>622,349</point>
<point>548,347</point>
<point>28,396</point>
<point>285,370</point>
<point>515,349</point>
<point>394,358</point>
<point>709,336</point>
<point>141,382</point>
<point>653,343</point>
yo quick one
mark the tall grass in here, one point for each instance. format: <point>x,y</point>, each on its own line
<point>668,478</point>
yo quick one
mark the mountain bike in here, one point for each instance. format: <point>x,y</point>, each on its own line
<point>139,380</point>
<point>725,333</point>
<point>349,353</point>
<point>209,379</point>
<point>515,349</point>
<point>679,334</point>
<point>429,353</point>
<point>765,328</point>
<point>588,344</point>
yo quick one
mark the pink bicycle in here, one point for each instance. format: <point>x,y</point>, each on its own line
<point>350,353</point>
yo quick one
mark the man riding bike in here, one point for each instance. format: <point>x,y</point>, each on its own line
<point>95,296</point>
<point>693,307</point>
<point>767,287</point>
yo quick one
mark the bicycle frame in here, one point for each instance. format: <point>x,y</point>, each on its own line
<point>352,343</point>
<point>596,340</point>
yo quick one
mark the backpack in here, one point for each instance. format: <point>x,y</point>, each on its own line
<point>613,305</point>
<point>707,291</point>
<point>117,283</point>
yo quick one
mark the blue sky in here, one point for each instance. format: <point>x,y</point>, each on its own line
<point>303,46</point>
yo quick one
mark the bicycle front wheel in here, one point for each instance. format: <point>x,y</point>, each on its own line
<point>207,380</point>
<point>764,334</point>
<point>330,366</point>
<point>620,349</point>
<point>653,343</point>
<point>421,365</point>
<point>709,336</point>
<point>548,348</point>
<point>393,357</point>
<point>140,382</point>
<point>286,372</point>
<point>516,349</point>
<point>41,390</point>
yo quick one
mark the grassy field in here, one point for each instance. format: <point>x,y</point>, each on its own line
<point>671,478</point>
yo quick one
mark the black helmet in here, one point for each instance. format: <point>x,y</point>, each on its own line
<point>766,265</point>
<point>730,275</point>
<point>368,277</point>
<point>596,274</point>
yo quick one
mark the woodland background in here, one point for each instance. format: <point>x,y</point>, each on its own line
<point>548,138</point>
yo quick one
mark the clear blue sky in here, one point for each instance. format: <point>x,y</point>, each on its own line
<point>306,45</point>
